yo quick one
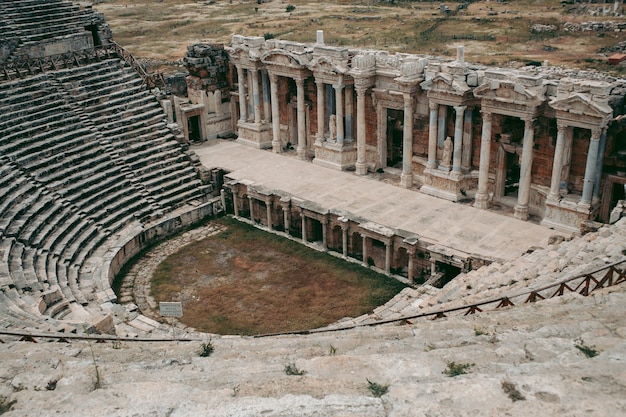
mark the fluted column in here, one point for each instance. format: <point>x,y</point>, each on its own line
<point>276,146</point>
<point>482,194</point>
<point>301,150</point>
<point>339,112</point>
<point>406,178</point>
<point>432,136</point>
<point>557,163</point>
<point>523,194</point>
<point>243,107</point>
<point>361,164</point>
<point>458,138</point>
<point>590,168</point>
<point>320,110</point>
<point>256,97</point>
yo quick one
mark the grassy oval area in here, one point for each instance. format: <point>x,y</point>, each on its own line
<point>246,281</point>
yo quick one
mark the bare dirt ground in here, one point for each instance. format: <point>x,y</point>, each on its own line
<point>493,32</point>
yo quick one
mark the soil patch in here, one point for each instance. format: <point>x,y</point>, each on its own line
<point>247,281</point>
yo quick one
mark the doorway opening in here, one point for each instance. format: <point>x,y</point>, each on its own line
<point>395,132</point>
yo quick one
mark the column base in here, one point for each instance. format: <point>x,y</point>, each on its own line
<point>481,201</point>
<point>521,212</point>
<point>301,154</point>
<point>406,180</point>
<point>361,168</point>
<point>276,147</point>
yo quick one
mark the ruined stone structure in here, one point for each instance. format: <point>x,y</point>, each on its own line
<point>546,143</point>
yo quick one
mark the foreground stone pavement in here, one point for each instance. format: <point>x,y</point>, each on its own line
<point>531,348</point>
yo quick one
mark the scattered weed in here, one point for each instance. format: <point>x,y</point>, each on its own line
<point>455,369</point>
<point>332,350</point>
<point>377,390</point>
<point>292,369</point>
<point>588,351</point>
<point>206,349</point>
<point>6,405</point>
<point>511,390</point>
<point>479,331</point>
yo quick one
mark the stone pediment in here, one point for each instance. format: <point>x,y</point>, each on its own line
<point>583,104</point>
<point>446,83</point>
<point>326,66</point>
<point>511,92</point>
<point>284,59</point>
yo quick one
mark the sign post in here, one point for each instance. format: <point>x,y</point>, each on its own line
<point>172,309</point>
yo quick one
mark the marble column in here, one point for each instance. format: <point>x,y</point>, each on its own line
<point>235,204</point>
<point>349,113</point>
<point>250,100</point>
<point>432,136</point>
<point>301,150</point>
<point>361,164</point>
<point>557,163</point>
<point>251,204</point>
<point>466,159</point>
<point>286,219</point>
<point>482,194</point>
<point>442,124</point>
<point>411,266</point>
<point>276,146</point>
<point>590,168</point>
<point>324,223</point>
<point>268,207</point>
<point>458,138</point>
<point>364,251</point>
<point>320,110</point>
<point>567,160</point>
<point>267,114</point>
<point>256,97</point>
<point>599,163</point>
<point>523,194</point>
<point>406,178</point>
<point>388,248</point>
<point>243,107</point>
<point>339,111</point>
<point>344,240</point>
<point>304,237</point>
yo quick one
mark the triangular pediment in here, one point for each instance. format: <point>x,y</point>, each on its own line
<point>283,59</point>
<point>510,92</point>
<point>445,83</point>
<point>580,103</point>
<point>326,66</point>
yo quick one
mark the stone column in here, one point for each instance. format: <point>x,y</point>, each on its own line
<point>432,136</point>
<point>361,164</point>
<point>406,178</point>
<point>349,124</point>
<point>364,251</point>
<point>344,240</point>
<point>324,223</point>
<point>458,138</point>
<point>301,150</point>
<point>250,100</point>
<point>286,219</point>
<point>320,110</point>
<point>256,97</point>
<point>235,204</point>
<point>590,168</point>
<point>304,238</point>
<point>466,159</point>
<point>276,146</point>
<point>557,163</point>
<point>251,203</point>
<point>411,266</point>
<point>267,115</point>
<point>599,163</point>
<point>243,107</point>
<point>441,124</point>
<point>523,194</point>
<point>482,194</point>
<point>339,111</point>
<point>388,247</point>
<point>268,207</point>
<point>567,160</point>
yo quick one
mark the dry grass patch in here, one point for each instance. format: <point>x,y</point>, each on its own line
<point>246,281</point>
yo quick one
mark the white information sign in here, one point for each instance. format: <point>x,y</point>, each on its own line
<point>171,309</point>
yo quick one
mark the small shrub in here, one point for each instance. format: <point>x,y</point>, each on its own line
<point>377,390</point>
<point>292,369</point>
<point>6,405</point>
<point>206,349</point>
<point>52,385</point>
<point>479,331</point>
<point>511,390</point>
<point>290,8</point>
<point>268,35</point>
<point>588,351</point>
<point>332,350</point>
<point>455,369</point>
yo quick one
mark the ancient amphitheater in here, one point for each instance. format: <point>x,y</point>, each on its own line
<point>426,169</point>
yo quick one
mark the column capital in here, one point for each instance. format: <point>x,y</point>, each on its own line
<point>529,122</point>
<point>487,115</point>
<point>338,86</point>
<point>596,132</point>
<point>560,127</point>
<point>299,82</point>
<point>433,106</point>
<point>460,109</point>
<point>273,77</point>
